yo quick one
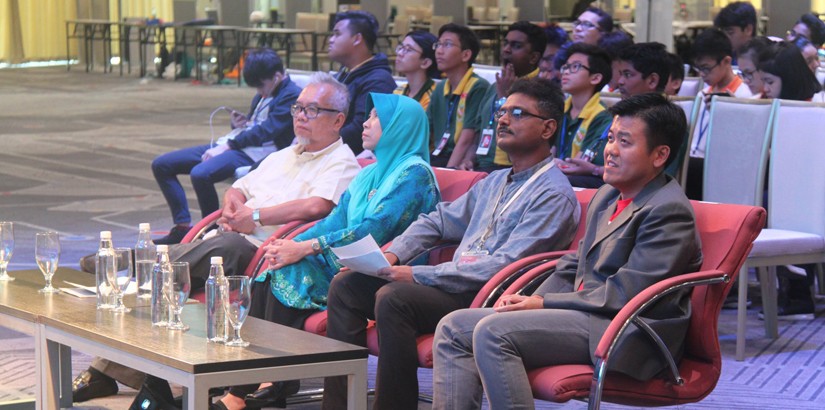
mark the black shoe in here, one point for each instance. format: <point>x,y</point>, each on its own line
<point>92,384</point>
<point>796,309</point>
<point>732,301</point>
<point>218,405</point>
<point>175,235</point>
<point>87,263</point>
<point>272,396</point>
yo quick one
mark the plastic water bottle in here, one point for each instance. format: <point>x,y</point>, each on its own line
<point>145,254</point>
<point>105,263</point>
<point>216,328</point>
<point>160,270</point>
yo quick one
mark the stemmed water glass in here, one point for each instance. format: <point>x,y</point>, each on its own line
<point>237,298</point>
<point>47,254</point>
<point>6,249</point>
<point>120,277</point>
<point>176,291</point>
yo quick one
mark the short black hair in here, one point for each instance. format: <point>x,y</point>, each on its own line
<point>597,59</point>
<point>736,14</point>
<point>816,26</point>
<point>677,67</point>
<point>614,42</point>
<point>261,64</point>
<point>648,58</point>
<point>556,35</point>
<point>549,98</point>
<point>605,19</point>
<point>535,35</point>
<point>425,40</point>
<point>665,122</point>
<point>467,38</point>
<point>361,22</point>
<point>798,81</point>
<point>756,48</point>
<point>712,43</point>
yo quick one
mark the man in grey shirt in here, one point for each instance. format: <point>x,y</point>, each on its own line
<point>511,214</point>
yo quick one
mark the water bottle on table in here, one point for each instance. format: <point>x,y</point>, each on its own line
<point>104,266</point>
<point>216,328</point>
<point>145,254</point>
<point>160,270</point>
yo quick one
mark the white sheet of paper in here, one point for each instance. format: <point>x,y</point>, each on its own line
<point>362,256</point>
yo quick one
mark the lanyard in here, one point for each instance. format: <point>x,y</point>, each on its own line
<point>497,103</point>
<point>450,114</point>
<point>512,199</point>
<point>702,129</point>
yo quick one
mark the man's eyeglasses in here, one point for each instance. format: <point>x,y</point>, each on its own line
<point>310,111</point>
<point>516,114</point>
<point>747,75</point>
<point>705,70</point>
<point>404,49</point>
<point>584,24</point>
<point>445,44</point>
<point>793,35</point>
<point>573,68</point>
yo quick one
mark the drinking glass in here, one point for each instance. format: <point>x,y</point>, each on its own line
<point>6,249</point>
<point>237,298</point>
<point>120,277</point>
<point>47,254</point>
<point>176,290</point>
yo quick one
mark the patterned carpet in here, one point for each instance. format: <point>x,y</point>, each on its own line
<point>75,158</point>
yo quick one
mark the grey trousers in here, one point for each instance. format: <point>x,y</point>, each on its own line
<point>477,348</point>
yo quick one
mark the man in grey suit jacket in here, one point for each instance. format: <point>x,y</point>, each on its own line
<point>640,230</point>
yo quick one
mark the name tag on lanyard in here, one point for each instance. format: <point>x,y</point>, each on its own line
<point>486,141</point>
<point>441,144</point>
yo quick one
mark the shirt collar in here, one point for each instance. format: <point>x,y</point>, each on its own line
<point>527,173</point>
<point>590,110</point>
<point>306,156</point>
<point>460,88</point>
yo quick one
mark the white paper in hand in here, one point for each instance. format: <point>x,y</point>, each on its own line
<point>362,256</point>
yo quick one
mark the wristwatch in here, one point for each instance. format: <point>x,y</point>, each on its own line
<point>256,217</point>
<point>316,246</point>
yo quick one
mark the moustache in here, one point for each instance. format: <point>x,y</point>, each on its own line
<point>504,130</point>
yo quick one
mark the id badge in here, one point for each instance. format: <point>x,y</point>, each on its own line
<point>472,256</point>
<point>486,141</point>
<point>441,144</point>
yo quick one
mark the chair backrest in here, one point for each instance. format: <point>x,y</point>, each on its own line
<point>736,153</point>
<point>797,172</point>
<point>513,14</point>
<point>304,21</point>
<point>609,99</point>
<point>690,87</point>
<point>487,72</point>
<point>479,13</point>
<point>321,22</point>
<point>437,21</point>
<point>493,14</point>
<point>401,25</point>
<point>299,77</point>
<point>454,183</point>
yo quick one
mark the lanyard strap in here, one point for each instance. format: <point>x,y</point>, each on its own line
<point>450,113</point>
<point>702,129</point>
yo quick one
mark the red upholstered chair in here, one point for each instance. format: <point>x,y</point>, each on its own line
<point>494,287</point>
<point>727,233</point>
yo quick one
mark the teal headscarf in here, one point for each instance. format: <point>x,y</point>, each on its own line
<point>404,142</point>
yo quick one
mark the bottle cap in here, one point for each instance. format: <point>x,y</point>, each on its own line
<point>216,260</point>
<point>162,248</point>
<point>144,227</point>
<point>105,234</point>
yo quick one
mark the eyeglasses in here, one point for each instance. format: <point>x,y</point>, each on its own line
<point>584,24</point>
<point>573,68</point>
<point>310,111</point>
<point>747,75</point>
<point>446,44</point>
<point>793,35</point>
<point>404,49</point>
<point>517,114</point>
<point>706,70</point>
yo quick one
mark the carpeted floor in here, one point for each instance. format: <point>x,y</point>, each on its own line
<point>75,157</point>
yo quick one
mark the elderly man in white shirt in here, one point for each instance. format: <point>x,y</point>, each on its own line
<point>302,182</point>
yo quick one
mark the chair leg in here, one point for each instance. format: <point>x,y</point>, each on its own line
<point>767,277</point>
<point>741,313</point>
<point>820,279</point>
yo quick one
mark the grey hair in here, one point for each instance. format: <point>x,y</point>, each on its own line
<point>339,98</point>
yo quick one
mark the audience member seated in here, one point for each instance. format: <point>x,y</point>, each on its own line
<point>383,200</point>
<point>808,26</point>
<point>712,55</point>
<point>351,44</point>
<point>310,178</point>
<point>415,60</point>
<point>754,51</point>
<point>738,21</point>
<point>267,128</point>
<point>586,122</point>
<point>591,26</point>
<point>521,52</point>
<point>642,68</point>
<point>512,213</point>
<point>613,43</point>
<point>677,74</point>
<point>640,230</point>
<point>809,52</point>
<point>556,40</point>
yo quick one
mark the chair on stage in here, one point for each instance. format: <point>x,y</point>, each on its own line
<point>727,233</point>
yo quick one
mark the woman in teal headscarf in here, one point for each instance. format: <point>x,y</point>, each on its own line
<point>383,200</point>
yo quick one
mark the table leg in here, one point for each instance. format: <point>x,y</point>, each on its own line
<point>314,51</point>
<point>357,389</point>
<point>196,401</point>
<point>68,58</point>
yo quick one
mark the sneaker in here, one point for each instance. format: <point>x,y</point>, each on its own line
<point>175,235</point>
<point>795,310</point>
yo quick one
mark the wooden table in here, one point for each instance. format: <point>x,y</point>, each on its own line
<point>88,31</point>
<point>63,322</point>
<point>276,39</point>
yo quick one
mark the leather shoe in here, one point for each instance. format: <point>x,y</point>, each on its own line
<point>272,396</point>
<point>218,405</point>
<point>91,384</point>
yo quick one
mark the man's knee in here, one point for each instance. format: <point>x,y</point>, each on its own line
<point>340,288</point>
<point>391,298</point>
<point>161,165</point>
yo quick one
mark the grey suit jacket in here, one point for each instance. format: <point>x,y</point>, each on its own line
<point>654,238</point>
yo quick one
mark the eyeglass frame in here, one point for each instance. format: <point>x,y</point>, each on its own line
<point>792,33</point>
<point>445,44</point>
<point>706,70</point>
<point>518,116</point>
<point>296,109</point>
<point>747,75</point>
<point>586,24</point>
<point>569,66</point>
<point>406,49</point>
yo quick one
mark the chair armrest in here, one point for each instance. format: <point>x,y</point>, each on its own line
<point>258,261</point>
<point>502,281</point>
<point>201,227</point>
<point>299,230</point>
